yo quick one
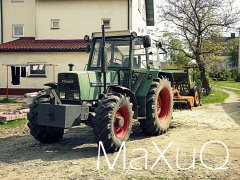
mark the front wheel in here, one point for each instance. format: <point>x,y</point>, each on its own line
<point>43,134</point>
<point>159,108</point>
<point>113,121</point>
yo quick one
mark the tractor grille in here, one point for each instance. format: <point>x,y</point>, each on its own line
<point>68,83</point>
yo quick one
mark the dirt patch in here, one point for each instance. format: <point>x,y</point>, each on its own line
<point>9,107</point>
<point>76,157</point>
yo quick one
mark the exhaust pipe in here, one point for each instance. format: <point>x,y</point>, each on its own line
<point>70,67</point>
<point>104,66</point>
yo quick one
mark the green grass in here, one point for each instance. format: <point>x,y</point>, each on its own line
<point>7,100</point>
<point>216,96</point>
<point>13,124</point>
<point>231,84</point>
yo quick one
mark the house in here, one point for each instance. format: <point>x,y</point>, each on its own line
<point>17,19</point>
<point>229,54</point>
<point>48,34</point>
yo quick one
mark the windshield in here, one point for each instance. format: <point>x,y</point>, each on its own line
<point>117,52</point>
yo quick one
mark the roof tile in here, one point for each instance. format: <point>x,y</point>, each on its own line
<point>30,44</point>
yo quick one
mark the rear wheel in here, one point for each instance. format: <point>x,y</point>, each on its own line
<point>113,121</point>
<point>43,134</point>
<point>159,108</point>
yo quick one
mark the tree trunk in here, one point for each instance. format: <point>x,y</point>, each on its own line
<point>204,80</point>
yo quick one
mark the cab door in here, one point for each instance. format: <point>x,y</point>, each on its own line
<point>139,64</point>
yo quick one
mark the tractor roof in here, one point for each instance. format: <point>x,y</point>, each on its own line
<point>111,34</point>
<point>172,71</point>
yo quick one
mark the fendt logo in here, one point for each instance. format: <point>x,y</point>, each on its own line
<point>68,81</point>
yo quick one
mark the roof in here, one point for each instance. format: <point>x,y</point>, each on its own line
<point>30,44</point>
<point>174,71</point>
<point>224,39</point>
<point>111,34</point>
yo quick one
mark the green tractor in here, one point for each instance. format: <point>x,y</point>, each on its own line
<point>120,85</point>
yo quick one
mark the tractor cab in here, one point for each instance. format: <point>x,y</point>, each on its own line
<point>125,54</point>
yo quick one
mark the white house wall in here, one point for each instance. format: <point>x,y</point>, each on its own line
<point>61,59</point>
<point>139,17</point>
<point>78,17</point>
<point>18,13</point>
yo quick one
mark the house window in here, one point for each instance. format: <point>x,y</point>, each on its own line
<point>139,5</point>
<point>16,1</point>
<point>107,23</point>
<point>37,70</point>
<point>55,23</point>
<point>18,30</point>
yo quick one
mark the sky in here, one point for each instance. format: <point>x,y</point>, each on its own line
<point>237,4</point>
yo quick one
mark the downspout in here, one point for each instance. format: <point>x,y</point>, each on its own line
<point>128,14</point>
<point>1,4</point>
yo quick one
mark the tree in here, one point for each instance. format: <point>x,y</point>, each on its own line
<point>177,57</point>
<point>196,22</point>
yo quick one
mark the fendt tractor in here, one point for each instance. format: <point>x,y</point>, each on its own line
<point>120,85</point>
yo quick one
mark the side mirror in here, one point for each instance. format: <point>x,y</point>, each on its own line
<point>159,45</point>
<point>86,38</point>
<point>146,41</point>
<point>88,48</point>
<point>134,35</point>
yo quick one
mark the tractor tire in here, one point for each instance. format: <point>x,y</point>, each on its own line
<point>43,134</point>
<point>197,98</point>
<point>113,121</point>
<point>159,108</point>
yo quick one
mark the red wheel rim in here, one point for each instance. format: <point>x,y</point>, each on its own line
<point>121,122</point>
<point>163,104</point>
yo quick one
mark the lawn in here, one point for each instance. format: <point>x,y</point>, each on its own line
<point>13,124</point>
<point>226,84</point>
<point>231,84</point>
<point>216,96</point>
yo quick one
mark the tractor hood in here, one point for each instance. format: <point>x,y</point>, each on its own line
<point>87,83</point>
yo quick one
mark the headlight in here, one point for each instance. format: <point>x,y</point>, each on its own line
<point>62,95</point>
<point>76,96</point>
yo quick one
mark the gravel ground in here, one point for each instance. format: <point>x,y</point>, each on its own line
<point>9,107</point>
<point>76,156</point>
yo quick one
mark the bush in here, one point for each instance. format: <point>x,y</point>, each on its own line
<point>7,100</point>
<point>237,77</point>
<point>222,74</point>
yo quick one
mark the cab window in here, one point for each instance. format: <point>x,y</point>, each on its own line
<point>140,57</point>
<point>117,52</point>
